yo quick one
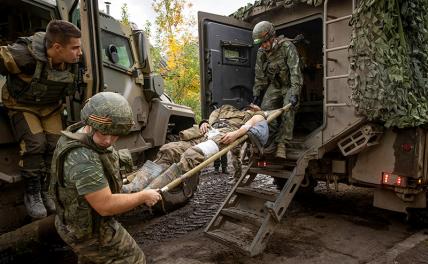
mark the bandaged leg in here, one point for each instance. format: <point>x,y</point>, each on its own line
<point>208,148</point>
<point>143,177</point>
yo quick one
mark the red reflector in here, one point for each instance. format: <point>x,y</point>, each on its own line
<point>262,164</point>
<point>392,179</point>
<point>385,178</point>
<point>407,147</point>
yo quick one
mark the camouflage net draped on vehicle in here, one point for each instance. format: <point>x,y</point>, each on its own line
<point>389,61</point>
<point>246,11</point>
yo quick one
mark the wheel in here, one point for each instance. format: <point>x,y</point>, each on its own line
<point>417,217</point>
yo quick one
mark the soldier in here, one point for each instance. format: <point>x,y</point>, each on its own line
<point>86,181</point>
<point>40,71</point>
<point>225,125</point>
<point>278,80</point>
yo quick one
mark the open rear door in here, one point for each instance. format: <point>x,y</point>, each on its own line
<point>227,59</point>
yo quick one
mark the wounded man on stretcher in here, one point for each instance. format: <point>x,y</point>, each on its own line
<point>225,125</point>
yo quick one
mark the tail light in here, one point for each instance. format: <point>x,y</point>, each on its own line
<point>393,179</point>
<point>263,163</point>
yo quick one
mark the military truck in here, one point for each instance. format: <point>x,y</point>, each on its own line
<point>116,58</point>
<point>332,142</point>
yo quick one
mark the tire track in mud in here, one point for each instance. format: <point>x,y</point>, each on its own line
<point>212,190</point>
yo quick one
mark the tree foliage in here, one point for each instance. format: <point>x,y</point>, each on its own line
<point>124,14</point>
<point>176,52</point>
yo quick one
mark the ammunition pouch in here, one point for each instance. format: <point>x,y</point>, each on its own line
<point>47,86</point>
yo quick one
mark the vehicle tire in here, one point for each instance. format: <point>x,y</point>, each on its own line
<point>417,217</point>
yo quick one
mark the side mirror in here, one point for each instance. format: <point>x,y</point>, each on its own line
<point>112,53</point>
<point>142,47</point>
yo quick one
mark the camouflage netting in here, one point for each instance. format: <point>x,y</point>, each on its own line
<point>389,61</point>
<point>246,11</point>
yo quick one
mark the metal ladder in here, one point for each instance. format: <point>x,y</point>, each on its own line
<point>328,51</point>
<point>250,213</point>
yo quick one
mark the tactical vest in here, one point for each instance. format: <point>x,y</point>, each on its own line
<point>275,64</point>
<point>228,115</point>
<point>72,209</point>
<point>47,85</point>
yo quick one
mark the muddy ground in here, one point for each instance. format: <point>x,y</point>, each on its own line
<point>324,227</point>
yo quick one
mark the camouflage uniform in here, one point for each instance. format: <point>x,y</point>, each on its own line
<point>277,78</point>
<point>80,167</point>
<point>225,119</point>
<point>32,95</point>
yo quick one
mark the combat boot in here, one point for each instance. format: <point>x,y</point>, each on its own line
<point>281,151</point>
<point>143,177</point>
<point>33,199</point>
<point>34,205</point>
<point>170,174</point>
<point>48,202</point>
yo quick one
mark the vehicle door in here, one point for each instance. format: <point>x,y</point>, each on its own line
<point>227,58</point>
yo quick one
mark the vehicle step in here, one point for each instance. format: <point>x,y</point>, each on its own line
<point>284,174</point>
<point>243,215</point>
<point>258,193</point>
<point>294,154</point>
<point>237,241</point>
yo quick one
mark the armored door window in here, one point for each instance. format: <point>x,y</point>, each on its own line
<point>116,50</point>
<point>236,53</point>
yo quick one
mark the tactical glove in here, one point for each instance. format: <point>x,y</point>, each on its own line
<point>294,99</point>
<point>257,100</point>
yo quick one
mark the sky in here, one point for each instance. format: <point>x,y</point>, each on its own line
<point>141,10</point>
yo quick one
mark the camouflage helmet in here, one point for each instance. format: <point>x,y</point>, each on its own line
<point>263,31</point>
<point>109,113</point>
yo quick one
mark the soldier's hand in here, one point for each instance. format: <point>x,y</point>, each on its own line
<point>152,197</point>
<point>294,99</point>
<point>255,108</point>
<point>257,100</point>
<point>229,137</point>
<point>204,127</point>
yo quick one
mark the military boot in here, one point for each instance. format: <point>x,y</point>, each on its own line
<point>143,177</point>
<point>46,197</point>
<point>281,151</point>
<point>170,174</point>
<point>48,202</point>
<point>33,199</point>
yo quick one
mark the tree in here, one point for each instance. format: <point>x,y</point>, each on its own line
<point>180,50</point>
<point>124,14</point>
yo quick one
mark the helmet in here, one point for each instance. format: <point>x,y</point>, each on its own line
<point>109,113</point>
<point>263,31</point>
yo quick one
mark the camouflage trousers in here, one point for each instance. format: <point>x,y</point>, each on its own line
<point>187,155</point>
<point>276,97</point>
<point>113,245</point>
<point>37,129</point>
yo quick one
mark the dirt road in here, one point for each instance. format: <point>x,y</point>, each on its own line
<point>325,227</point>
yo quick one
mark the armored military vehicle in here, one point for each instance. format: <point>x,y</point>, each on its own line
<point>333,142</point>
<point>116,58</point>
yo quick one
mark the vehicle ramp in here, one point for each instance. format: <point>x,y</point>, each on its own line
<point>250,213</point>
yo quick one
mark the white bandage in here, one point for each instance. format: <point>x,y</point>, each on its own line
<point>212,133</point>
<point>247,127</point>
<point>208,147</point>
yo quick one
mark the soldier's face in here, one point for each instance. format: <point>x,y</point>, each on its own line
<point>71,52</point>
<point>103,140</point>
<point>267,45</point>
